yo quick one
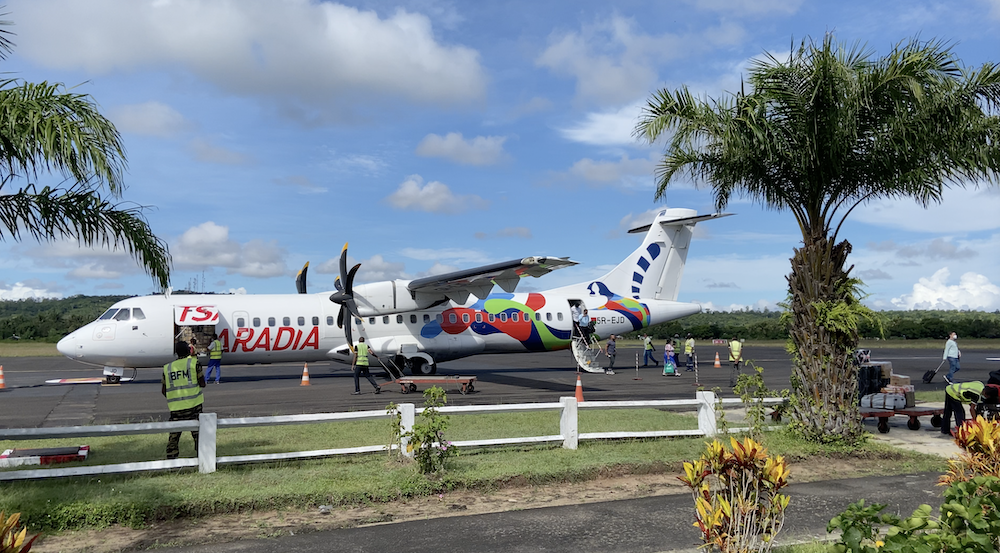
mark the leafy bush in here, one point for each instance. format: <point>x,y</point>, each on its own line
<point>427,442</point>
<point>980,443</point>
<point>12,541</point>
<point>737,500</point>
<point>969,523</point>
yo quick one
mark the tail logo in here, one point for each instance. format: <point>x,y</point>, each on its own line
<point>641,266</point>
<point>635,312</point>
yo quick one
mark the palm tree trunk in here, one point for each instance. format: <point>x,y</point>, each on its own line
<point>824,378</point>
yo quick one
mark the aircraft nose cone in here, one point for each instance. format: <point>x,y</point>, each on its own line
<point>67,346</point>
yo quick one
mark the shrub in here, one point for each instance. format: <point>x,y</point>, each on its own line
<point>736,494</point>
<point>427,442</point>
<point>12,541</point>
<point>980,456</point>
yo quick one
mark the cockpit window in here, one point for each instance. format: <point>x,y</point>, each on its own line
<point>138,315</point>
<point>122,315</point>
<point>108,314</point>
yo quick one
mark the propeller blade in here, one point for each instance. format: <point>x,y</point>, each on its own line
<point>300,279</point>
<point>347,332</point>
<point>340,317</point>
<point>343,263</point>
<point>337,284</point>
<point>349,287</point>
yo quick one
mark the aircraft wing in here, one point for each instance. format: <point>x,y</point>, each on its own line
<point>480,280</point>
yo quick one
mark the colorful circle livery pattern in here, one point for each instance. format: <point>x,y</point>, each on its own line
<point>500,314</point>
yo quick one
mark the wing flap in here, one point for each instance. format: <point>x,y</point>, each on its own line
<point>479,281</point>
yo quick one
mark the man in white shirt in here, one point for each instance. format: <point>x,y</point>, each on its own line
<point>952,354</point>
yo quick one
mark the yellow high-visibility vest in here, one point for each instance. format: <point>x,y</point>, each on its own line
<point>181,378</point>
<point>734,350</point>
<point>216,352</point>
<point>362,350</point>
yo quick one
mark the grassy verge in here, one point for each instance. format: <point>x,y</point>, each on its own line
<point>28,349</point>
<point>137,500</point>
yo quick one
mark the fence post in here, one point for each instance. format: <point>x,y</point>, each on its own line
<point>569,423</point>
<point>407,416</point>
<point>208,424</point>
<point>706,413</point>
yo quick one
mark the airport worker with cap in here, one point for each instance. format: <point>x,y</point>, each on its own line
<point>689,352</point>
<point>735,359</point>
<point>360,366</point>
<point>182,385</point>
<point>954,396</point>
<point>647,351</point>
<point>952,354</point>
<point>214,358</point>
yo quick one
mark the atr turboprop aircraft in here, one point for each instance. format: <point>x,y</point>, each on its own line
<point>416,324</point>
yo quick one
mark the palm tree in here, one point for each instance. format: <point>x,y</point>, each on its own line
<point>818,134</point>
<point>45,129</point>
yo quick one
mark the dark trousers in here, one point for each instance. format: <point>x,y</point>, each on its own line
<point>647,354</point>
<point>734,373</point>
<point>362,370</point>
<point>174,441</point>
<point>952,405</point>
<point>611,360</point>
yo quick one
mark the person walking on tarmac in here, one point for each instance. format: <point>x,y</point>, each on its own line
<point>735,359</point>
<point>214,358</point>
<point>952,354</point>
<point>689,353</point>
<point>954,396</point>
<point>360,366</point>
<point>647,351</point>
<point>182,385</point>
<point>612,351</point>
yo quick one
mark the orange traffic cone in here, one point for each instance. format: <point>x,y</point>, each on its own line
<point>2,385</point>
<point>305,375</point>
<point>579,389</point>
<point>718,365</point>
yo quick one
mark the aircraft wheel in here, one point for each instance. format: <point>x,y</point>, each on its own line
<point>113,379</point>
<point>421,368</point>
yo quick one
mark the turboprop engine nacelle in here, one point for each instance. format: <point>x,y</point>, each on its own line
<point>388,297</point>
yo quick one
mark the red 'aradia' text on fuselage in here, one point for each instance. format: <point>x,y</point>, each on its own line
<point>285,337</point>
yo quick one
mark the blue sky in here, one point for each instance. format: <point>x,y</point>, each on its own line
<point>436,135</point>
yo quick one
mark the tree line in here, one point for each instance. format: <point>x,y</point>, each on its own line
<point>48,320</point>
<point>770,325</point>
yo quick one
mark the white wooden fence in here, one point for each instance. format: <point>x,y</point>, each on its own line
<point>209,424</point>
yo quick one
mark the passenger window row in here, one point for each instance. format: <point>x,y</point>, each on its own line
<point>453,318</point>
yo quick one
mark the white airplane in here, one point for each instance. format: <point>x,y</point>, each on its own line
<point>416,324</point>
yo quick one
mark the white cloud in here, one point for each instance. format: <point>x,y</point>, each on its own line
<point>208,245</point>
<point>514,232</point>
<point>481,150</point>
<point>203,150</point>
<point>607,128</point>
<point>434,197</point>
<point>615,62</point>
<point>611,60</point>
<point>83,262</point>
<point>627,172</point>
<point>458,255</point>
<point>303,184</point>
<point>372,270</point>
<point>322,55</point>
<point>439,269</point>
<point>150,119</point>
<point>20,291</point>
<point>962,210</point>
<point>973,292</point>
<point>351,164</point>
<point>749,7</point>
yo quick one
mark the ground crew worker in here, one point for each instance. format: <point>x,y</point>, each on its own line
<point>360,366</point>
<point>647,351</point>
<point>612,352</point>
<point>689,352</point>
<point>214,358</point>
<point>735,359</point>
<point>955,395</point>
<point>181,385</point>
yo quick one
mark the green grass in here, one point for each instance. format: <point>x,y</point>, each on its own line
<point>137,500</point>
<point>28,349</point>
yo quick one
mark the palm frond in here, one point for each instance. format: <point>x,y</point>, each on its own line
<point>81,213</point>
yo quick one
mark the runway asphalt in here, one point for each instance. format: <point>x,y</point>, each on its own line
<point>265,390</point>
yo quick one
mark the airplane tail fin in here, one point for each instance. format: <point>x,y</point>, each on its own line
<point>655,268</point>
